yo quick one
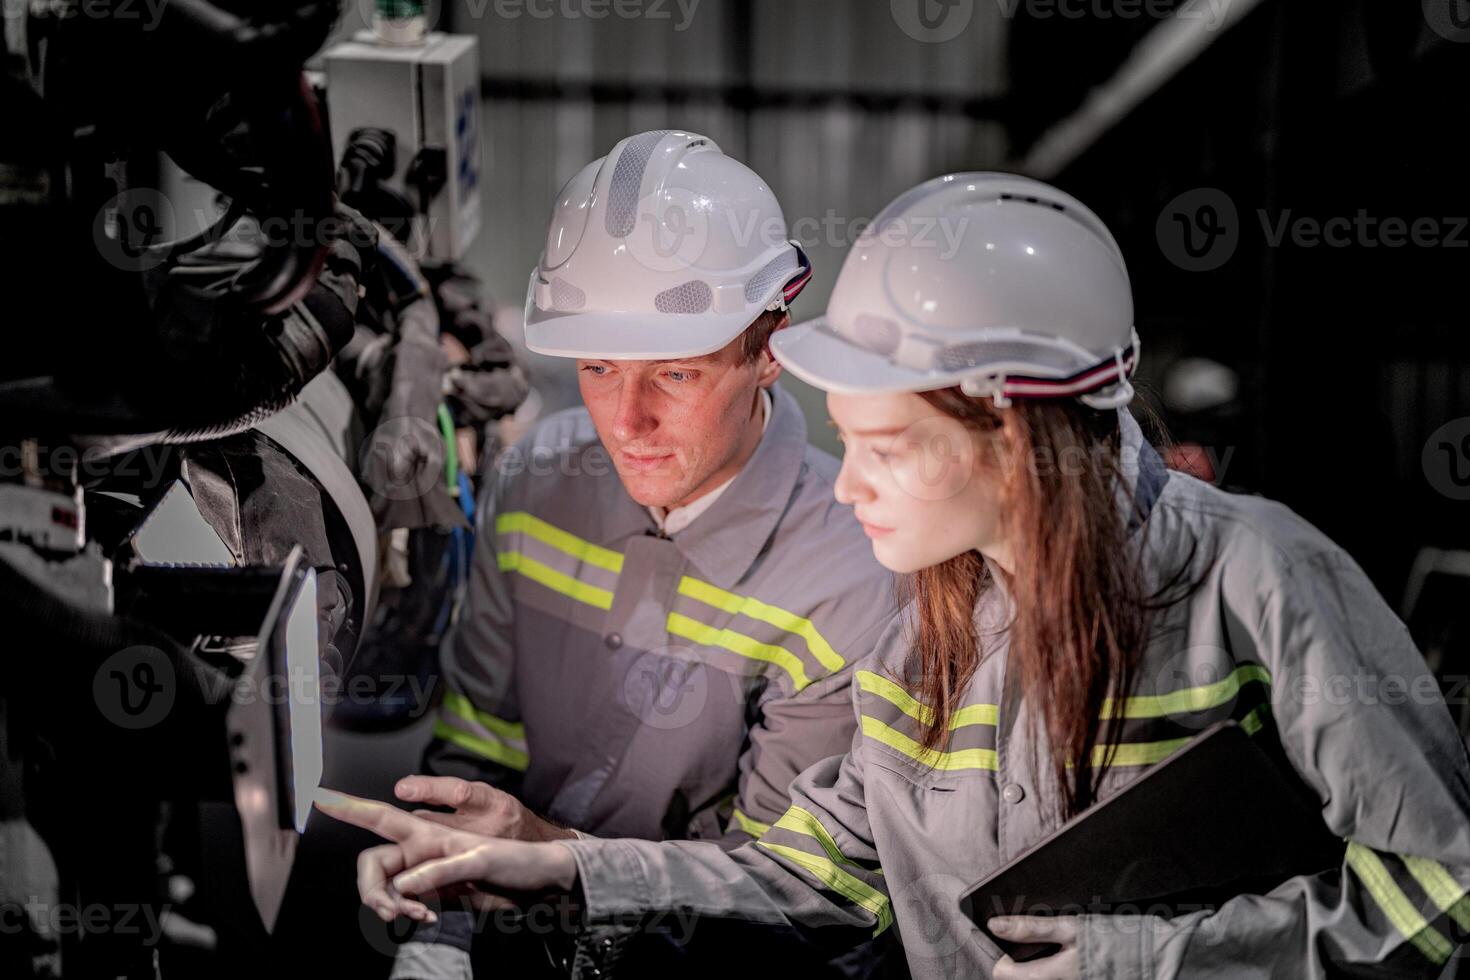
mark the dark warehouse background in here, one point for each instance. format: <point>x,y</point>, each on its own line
<point>1347,359</point>
<point>1286,178</point>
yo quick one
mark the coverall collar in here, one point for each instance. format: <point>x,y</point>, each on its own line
<point>724,541</point>
<point>1144,473</point>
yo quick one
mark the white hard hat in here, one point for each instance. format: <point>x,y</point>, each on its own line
<point>1002,285</point>
<point>663,248</point>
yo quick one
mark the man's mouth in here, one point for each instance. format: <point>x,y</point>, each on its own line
<point>641,462</point>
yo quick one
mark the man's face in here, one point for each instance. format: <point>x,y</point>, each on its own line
<point>676,428</point>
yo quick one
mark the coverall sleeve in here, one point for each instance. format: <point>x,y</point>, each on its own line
<point>1363,722</point>
<point>815,872</point>
<point>793,733</point>
<point>478,733</point>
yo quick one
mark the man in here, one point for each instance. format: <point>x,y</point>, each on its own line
<point>666,601</point>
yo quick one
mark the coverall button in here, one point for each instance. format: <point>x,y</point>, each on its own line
<point>613,640</point>
<point>1013,793</point>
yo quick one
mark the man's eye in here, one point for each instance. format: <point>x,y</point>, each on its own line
<point>679,376</point>
<point>597,369</point>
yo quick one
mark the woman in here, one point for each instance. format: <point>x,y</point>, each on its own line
<point>1070,600</point>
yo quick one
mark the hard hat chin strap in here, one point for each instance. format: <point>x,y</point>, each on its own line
<point>1120,394</point>
<point>796,283</point>
<point>1102,386</point>
<point>987,385</point>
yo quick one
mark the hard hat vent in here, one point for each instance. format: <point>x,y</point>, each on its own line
<point>780,269</point>
<point>565,296</point>
<point>960,357</point>
<point>627,178</point>
<point>1033,199</point>
<point>876,333</point>
<point>690,297</point>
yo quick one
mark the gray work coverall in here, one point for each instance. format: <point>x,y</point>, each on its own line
<point>626,683</point>
<point>1284,634</point>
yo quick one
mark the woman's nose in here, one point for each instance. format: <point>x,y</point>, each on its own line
<point>850,487</point>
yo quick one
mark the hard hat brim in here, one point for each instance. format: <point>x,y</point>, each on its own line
<point>635,336</point>
<point>817,355</point>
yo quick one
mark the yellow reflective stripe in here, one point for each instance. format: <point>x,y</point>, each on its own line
<point>1189,698</point>
<point>549,534</point>
<point>1139,753</point>
<point>746,646</point>
<point>750,825</point>
<point>948,761</point>
<point>1148,753</point>
<point>829,874</point>
<point>495,751</point>
<point>1252,722</point>
<point>774,615</point>
<point>460,705</point>
<point>1439,885</point>
<point>885,688</point>
<point>801,821</point>
<point>974,714</point>
<point>1396,905</point>
<point>514,561</point>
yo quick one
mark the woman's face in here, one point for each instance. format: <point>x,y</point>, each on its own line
<point>924,486</point>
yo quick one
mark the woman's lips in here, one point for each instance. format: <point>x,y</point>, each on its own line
<point>873,530</point>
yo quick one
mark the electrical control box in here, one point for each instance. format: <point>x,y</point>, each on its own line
<point>428,95</point>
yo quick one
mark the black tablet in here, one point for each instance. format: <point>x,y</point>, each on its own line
<point>1216,819</point>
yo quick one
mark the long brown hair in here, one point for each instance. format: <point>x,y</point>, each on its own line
<point>1080,618</point>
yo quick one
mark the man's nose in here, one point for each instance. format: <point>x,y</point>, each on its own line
<point>634,420</point>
